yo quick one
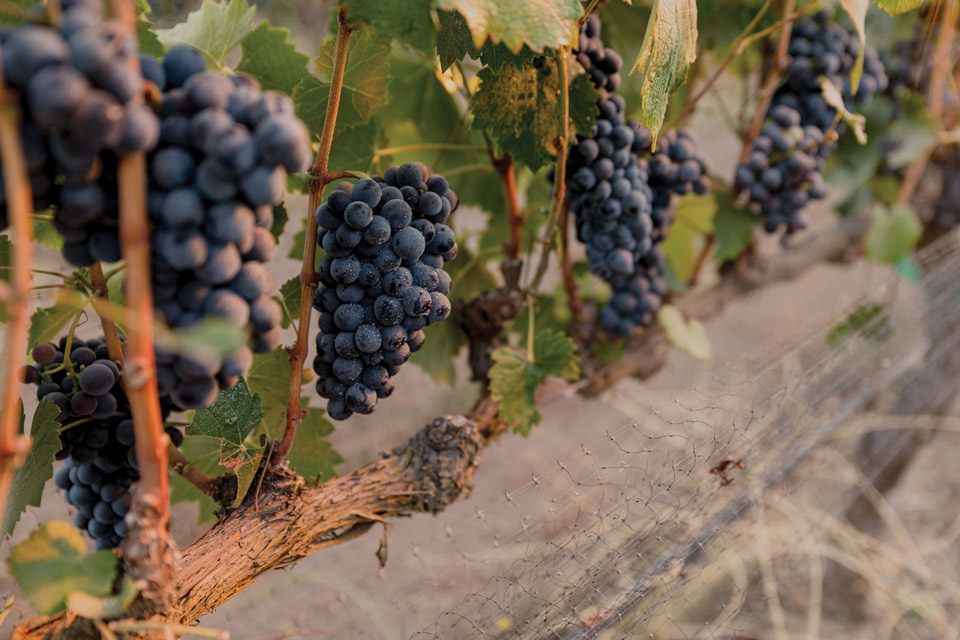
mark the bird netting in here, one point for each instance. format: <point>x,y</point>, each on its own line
<point>717,513</point>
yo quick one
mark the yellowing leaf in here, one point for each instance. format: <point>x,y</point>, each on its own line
<point>514,380</point>
<point>689,337</point>
<point>694,219</point>
<point>669,48</point>
<point>90,606</point>
<point>521,111</point>
<point>364,77</point>
<point>833,98</point>
<point>215,30</point>
<point>49,566</point>
<point>537,23</point>
<point>896,7</point>
<point>857,10</point>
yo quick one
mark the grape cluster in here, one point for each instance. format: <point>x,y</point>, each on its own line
<point>382,281</point>
<point>611,203</point>
<point>220,167</point>
<point>77,95</point>
<point>820,47</point>
<point>601,63</point>
<point>98,437</point>
<point>620,189</point>
<point>784,170</point>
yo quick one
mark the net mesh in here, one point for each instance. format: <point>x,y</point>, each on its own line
<point>717,513</point>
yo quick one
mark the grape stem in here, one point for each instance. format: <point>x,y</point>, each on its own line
<point>569,282</point>
<point>101,304</point>
<point>702,258</point>
<point>13,446</point>
<point>308,276</point>
<point>506,169</point>
<point>772,80</point>
<point>149,549</point>
<point>560,189</point>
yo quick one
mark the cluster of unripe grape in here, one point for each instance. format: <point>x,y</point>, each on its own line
<point>382,281</point>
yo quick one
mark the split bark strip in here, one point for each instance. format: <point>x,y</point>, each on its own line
<point>308,275</point>
<point>16,182</point>
<point>149,551</point>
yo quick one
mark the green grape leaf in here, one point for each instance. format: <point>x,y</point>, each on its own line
<point>49,566</point>
<point>270,57</point>
<point>514,379</point>
<point>896,7</point>
<point>833,98</point>
<point>688,337</point>
<point>299,240</point>
<point>354,147</point>
<point>37,467</point>
<point>354,144</point>
<point>46,324</point>
<point>212,337</point>
<point>6,259</point>
<point>669,48</point>
<point>312,456</point>
<point>97,608</point>
<point>520,110</point>
<point>297,183</point>
<point>365,78</point>
<point>407,22</point>
<point>732,227</point>
<point>280,218</point>
<point>310,100</point>
<point>269,378</point>
<point>893,233</point>
<point>454,42</point>
<point>869,320</point>
<point>436,357</point>
<point>694,219</point>
<point>416,94</point>
<point>583,104</point>
<point>469,274</point>
<point>857,10</point>
<point>215,30</point>
<point>46,234</point>
<point>290,295</point>
<point>148,41</point>
<point>204,454</point>
<point>230,419</point>
<point>537,23</point>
